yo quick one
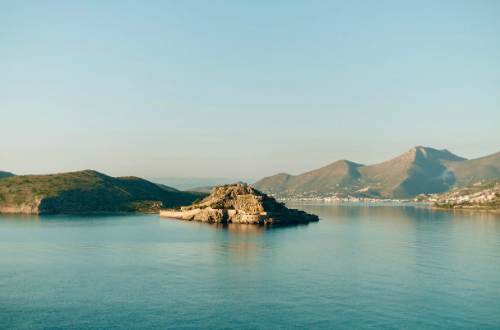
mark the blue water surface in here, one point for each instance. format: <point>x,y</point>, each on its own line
<point>361,266</point>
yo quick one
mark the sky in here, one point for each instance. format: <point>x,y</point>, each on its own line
<point>243,88</point>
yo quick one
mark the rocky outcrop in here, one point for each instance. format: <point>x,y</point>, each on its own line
<point>239,203</point>
<point>31,207</point>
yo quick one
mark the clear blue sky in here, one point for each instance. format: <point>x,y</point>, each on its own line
<point>243,88</point>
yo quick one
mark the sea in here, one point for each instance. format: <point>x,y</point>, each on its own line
<point>362,266</point>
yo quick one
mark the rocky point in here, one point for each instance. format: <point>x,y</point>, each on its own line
<point>239,203</point>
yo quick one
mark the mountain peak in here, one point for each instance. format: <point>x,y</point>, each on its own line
<point>423,149</point>
<point>343,163</point>
<point>420,169</point>
<point>434,154</point>
<point>349,162</point>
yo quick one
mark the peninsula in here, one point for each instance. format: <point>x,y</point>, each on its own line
<point>239,203</point>
<point>86,192</point>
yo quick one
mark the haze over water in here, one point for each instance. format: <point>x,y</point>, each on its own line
<point>359,267</point>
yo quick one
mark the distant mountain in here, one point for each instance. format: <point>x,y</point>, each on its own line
<point>336,177</point>
<point>188,183</point>
<point>86,191</point>
<point>5,174</point>
<point>208,189</point>
<point>419,170</point>
<point>471,171</point>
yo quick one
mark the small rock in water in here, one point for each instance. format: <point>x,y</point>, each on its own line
<point>239,203</point>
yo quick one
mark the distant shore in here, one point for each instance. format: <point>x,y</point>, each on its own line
<point>353,200</point>
<point>402,202</point>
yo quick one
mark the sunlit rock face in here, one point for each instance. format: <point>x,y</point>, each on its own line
<point>239,203</point>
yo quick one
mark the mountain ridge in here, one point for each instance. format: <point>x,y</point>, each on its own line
<point>418,170</point>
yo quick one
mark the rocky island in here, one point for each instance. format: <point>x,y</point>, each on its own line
<point>239,203</point>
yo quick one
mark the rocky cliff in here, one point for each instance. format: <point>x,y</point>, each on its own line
<point>239,203</point>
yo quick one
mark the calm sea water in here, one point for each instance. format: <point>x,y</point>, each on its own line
<point>359,267</point>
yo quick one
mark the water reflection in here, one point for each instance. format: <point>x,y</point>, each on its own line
<point>401,213</point>
<point>236,228</point>
<point>252,229</point>
<point>246,243</point>
<point>20,219</point>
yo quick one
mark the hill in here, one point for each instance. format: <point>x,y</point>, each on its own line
<point>482,195</point>
<point>419,170</point>
<point>474,170</point>
<point>334,178</point>
<point>84,192</point>
<point>5,174</point>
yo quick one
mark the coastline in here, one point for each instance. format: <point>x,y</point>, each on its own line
<point>353,200</point>
<point>387,202</point>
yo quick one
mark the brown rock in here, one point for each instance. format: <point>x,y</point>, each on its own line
<point>239,203</point>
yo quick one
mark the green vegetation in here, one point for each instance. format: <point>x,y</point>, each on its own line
<point>86,191</point>
<point>5,174</point>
